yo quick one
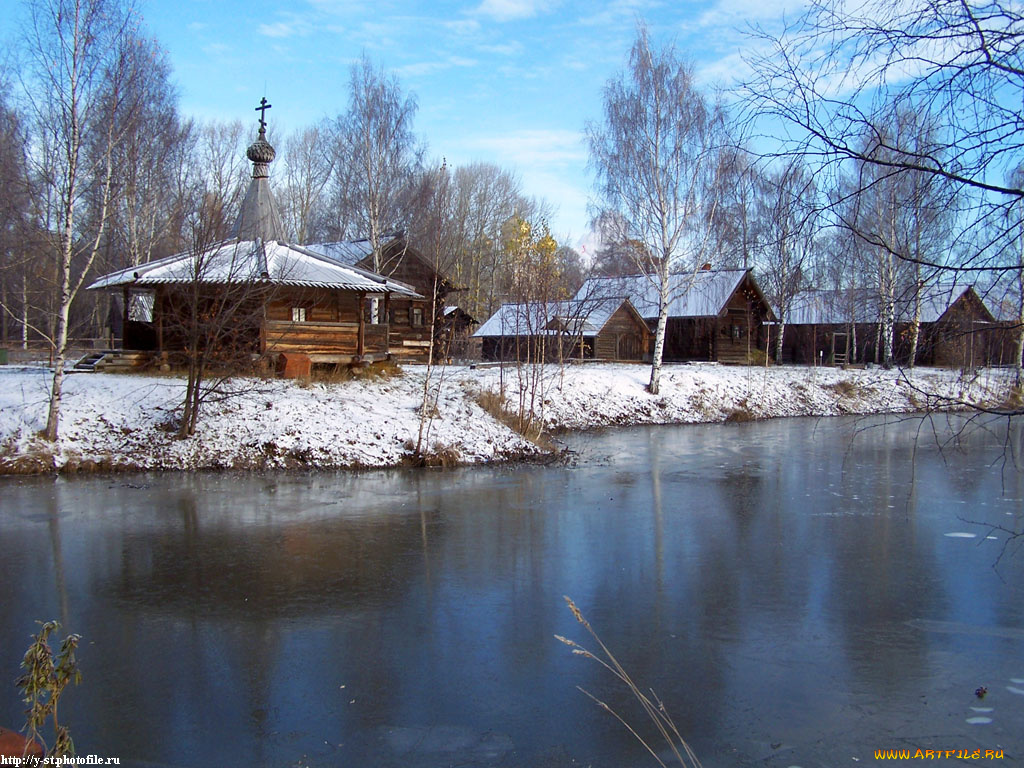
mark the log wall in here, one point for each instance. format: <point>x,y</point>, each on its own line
<point>324,338</point>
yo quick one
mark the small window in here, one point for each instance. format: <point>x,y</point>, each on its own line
<point>298,314</point>
<point>417,316</point>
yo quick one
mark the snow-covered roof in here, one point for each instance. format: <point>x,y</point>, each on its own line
<point>832,308</point>
<point>575,317</point>
<point>693,294</point>
<point>861,305</point>
<point>347,252</point>
<point>936,300</point>
<point>1001,299</point>
<point>271,262</point>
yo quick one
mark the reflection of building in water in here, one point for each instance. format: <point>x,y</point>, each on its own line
<point>287,569</point>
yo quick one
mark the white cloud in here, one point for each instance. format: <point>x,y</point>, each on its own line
<point>420,69</point>
<point>741,12</point>
<point>503,49</point>
<point>280,29</point>
<point>618,12</point>
<point>511,10</point>
<point>462,26</point>
<point>724,71</point>
<point>530,148</point>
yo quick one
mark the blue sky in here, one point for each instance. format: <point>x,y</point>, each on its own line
<point>505,81</point>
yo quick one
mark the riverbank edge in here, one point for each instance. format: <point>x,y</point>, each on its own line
<point>103,435</point>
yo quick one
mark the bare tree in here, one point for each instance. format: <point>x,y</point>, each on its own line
<point>436,233</point>
<point>535,287</point>
<point>376,155</point>
<point>486,198</point>
<point>657,156</point>
<point>214,313</point>
<point>957,67</point>
<point>787,223</point>
<point>903,219</point>
<point>736,221</point>
<point>308,165</point>
<point>15,223</point>
<point>218,167</point>
<point>153,139</point>
<point>78,89</point>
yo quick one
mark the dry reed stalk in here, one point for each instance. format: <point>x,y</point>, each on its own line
<point>655,710</point>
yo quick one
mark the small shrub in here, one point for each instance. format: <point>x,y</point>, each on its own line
<point>36,459</point>
<point>342,372</point>
<point>740,414</point>
<point>438,455</point>
<point>758,357</point>
<point>1014,398</point>
<point>42,685</point>
<point>845,388</point>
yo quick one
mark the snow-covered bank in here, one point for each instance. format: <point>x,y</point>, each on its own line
<point>120,421</point>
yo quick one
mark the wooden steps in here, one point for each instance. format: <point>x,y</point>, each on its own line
<point>113,361</point>
<point>89,362</point>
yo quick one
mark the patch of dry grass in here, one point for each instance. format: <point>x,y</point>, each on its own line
<point>741,413</point>
<point>845,388</point>
<point>494,404</point>
<point>1014,400</point>
<point>438,455</point>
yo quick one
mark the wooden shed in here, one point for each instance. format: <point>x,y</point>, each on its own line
<point>601,329</point>
<point>836,327</point>
<point>715,315</point>
<point>956,327</point>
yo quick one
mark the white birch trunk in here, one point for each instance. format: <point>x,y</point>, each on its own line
<point>915,328</point>
<point>24,312</point>
<point>778,342</point>
<point>659,335</point>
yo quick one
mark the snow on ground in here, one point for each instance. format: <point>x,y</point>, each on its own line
<point>120,421</point>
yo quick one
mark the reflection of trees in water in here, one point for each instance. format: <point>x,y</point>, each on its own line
<point>291,569</point>
<point>242,608</point>
<point>883,573</point>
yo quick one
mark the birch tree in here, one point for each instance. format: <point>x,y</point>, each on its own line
<point>15,217</point>
<point>956,67</point>
<point>78,89</point>
<point>786,205</point>
<point>307,170</point>
<point>657,158</point>
<point>376,155</point>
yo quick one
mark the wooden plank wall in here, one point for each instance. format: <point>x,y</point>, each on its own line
<point>321,305</point>
<point>323,338</point>
<point>613,342</point>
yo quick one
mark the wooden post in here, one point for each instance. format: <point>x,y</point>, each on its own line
<point>361,337</point>
<point>158,312</point>
<point>124,319</point>
<point>387,323</point>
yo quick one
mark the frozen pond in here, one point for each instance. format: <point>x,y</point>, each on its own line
<point>796,595</point>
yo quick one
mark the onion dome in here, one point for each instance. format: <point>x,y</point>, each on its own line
<point>258,218</point>
<point>261,151</point>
